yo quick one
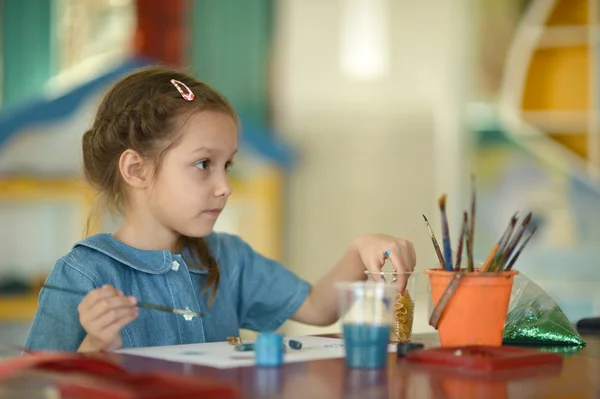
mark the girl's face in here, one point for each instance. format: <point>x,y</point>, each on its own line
<point>192,186</point>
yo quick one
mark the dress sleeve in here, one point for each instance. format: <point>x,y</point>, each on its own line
<point>56,324</point>
<point>268,293</point>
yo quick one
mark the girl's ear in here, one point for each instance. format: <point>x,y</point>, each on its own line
<point>134,169</point>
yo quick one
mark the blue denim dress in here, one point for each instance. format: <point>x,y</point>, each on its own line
<point>254,293</point>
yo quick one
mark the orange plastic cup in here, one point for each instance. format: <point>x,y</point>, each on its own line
<point>476,313</point>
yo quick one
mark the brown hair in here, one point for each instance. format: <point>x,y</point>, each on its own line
<point>139,113</point>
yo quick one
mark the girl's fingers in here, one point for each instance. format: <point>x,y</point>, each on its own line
<point>115,328</point>
<point>411,256</point>
<point>398,261</point>
<point>104,311</point>
<point>403,265</point>
<point>374,265</point>
<point>96,295</point>
<point>100,324</point>
<point>106,305</point>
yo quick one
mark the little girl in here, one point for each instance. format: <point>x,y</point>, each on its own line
<point>159,151</point>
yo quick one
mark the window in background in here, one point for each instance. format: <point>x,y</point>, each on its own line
<point>90,36</point>
<point>365,39</point>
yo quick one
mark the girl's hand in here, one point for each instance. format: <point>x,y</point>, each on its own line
<point>374,249</point>
<point>103,312</point>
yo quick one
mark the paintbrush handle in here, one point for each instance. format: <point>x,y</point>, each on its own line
<point>435,244</point>
<point>514,259</point>
<point>459,254</point>
<point>513,244</point>
<point>446,242</point>
<point>510,249</point>
<point>471,233</point>
<point>63,289</point>
<point>438,252</point>
<point>498,257</point>
<point>164,308</point>
<point>498,263</point>
<point>469,248</point>
<point>445,298</point>
<point>497,250</point>
<point>489,259</point>
<point>461,239</point>
<point>448,254</point>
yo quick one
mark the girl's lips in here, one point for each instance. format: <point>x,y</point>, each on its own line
<point>213,212</point>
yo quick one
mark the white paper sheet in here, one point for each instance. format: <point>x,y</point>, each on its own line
<point>223,355</point>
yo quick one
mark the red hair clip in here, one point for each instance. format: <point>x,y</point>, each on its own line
<point>189,96</point>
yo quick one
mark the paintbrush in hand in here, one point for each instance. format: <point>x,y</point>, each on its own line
<point>184,312</point>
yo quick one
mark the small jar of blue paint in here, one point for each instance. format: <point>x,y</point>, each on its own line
<point>268,349</point>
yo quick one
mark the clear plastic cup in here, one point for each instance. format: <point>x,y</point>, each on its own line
<point>366,316</point>
<point>403,307</point>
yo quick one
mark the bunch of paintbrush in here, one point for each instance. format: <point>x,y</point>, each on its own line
<point>466,234</point>
<point>501,257</point>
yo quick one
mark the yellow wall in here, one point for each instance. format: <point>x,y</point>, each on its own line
<point>569,12</point>
<point>550,82</point>
<point>556,92</point>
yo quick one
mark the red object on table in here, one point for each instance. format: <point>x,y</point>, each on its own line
<point>78,376</point>
<point>484,358</point>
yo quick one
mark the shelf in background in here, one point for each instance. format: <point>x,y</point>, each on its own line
<point>557,121</point>
<point>18,307</point>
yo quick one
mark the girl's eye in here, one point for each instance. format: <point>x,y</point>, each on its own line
<point>228,166</point>
<point>202,165</point>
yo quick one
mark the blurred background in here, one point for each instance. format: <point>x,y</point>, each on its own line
<point>357,116</point>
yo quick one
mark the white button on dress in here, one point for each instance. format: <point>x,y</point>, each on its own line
<point>188,317</point>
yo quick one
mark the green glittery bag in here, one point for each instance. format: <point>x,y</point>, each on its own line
<point>535,319</point>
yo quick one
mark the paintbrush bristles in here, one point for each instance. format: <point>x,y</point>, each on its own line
<point>445,233</point>
<point>502,251</point>
<point>442,202</point>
